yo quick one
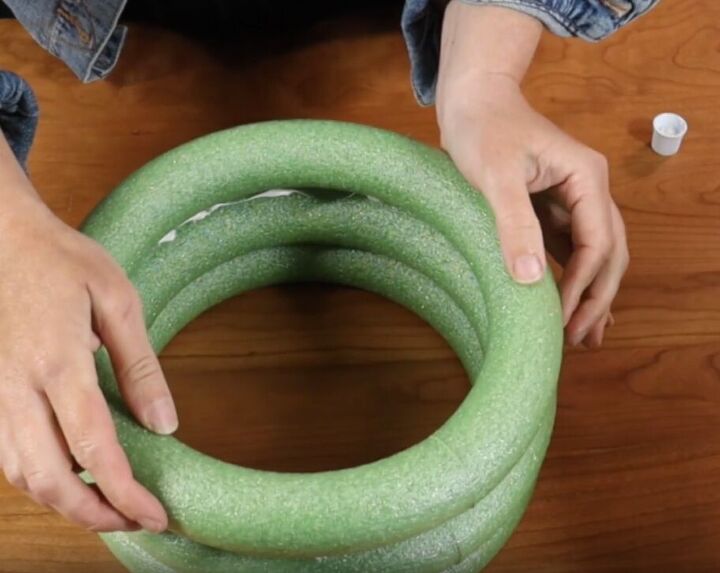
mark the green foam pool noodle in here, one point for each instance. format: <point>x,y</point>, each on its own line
<point>409,228</point>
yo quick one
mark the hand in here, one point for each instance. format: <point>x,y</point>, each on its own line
<point>508,151</point>
<point>61,295</point>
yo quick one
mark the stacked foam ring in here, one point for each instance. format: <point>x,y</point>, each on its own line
<point>408,227</point>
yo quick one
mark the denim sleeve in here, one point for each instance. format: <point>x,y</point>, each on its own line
<point>18,114</point>
<point>84,34</point>
<point>590,20</point>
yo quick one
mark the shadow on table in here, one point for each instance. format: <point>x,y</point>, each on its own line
<point>642,162</point>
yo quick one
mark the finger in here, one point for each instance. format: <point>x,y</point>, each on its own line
<point>47,469</point>
<point>581,270</point>
<point>605,287</point>
<point>10,461</point>
<point>584,319</point>
<point>589,203</point>
<point>594,309</point>
<point>2,439</point>
<point>595,335</point>
<point>87,425</point>
<point>518,228</point>
<point>118,317</point>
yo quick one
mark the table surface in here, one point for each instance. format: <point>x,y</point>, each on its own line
<point>311,378</point>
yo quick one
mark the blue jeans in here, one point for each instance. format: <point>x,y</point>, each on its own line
<point>18,114</point>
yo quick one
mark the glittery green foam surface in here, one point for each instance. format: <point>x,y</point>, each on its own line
<point>196,226</point>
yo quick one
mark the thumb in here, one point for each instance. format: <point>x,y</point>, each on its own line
<point>518,228</point>
<point>119,322</point>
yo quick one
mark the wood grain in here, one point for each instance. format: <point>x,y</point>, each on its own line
<point>310,378</point>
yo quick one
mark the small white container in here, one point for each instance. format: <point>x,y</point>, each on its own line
<point>668,132</point>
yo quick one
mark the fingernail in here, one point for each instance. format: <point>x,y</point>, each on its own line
<point>578,338</point>
<point>527,269</point>
<point>150,524</point>
<point>161,416</point>
<point>566,316</point>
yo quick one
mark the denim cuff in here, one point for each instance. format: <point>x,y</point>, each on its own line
<point>86,36</point>
<point>591,20</point>
<point>18,114</point>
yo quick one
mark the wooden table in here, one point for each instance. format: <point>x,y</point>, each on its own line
<point>311,378</point>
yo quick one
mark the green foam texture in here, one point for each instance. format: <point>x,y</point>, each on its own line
<point>409,228</point>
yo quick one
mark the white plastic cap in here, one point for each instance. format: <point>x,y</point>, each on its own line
<point>668,132</point>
